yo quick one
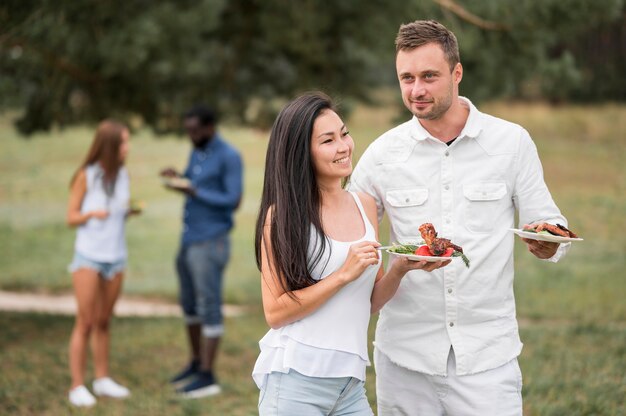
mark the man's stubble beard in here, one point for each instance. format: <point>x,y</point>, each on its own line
<point>439,107</point>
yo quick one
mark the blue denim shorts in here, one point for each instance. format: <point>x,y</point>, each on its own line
<point>106,270</point>
<point>293,393</point>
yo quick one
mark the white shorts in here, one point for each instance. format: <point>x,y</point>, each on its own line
<point>401,391</point>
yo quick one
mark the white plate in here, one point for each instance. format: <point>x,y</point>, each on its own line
<point>544,237</point>
<point>177,182</point>
<point>430,259</point>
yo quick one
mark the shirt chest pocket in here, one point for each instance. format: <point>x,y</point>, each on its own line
<point>485,202</point>
<point>407,209</point>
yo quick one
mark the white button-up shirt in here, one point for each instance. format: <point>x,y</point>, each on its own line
<point>470,191</point>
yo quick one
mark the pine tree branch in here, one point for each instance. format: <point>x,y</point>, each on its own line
<point>464,14</point>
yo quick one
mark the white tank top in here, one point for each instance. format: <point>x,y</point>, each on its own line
<point>104,240</point>
<point>332,341</point>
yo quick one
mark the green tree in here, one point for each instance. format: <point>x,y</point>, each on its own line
<point>540,48</point>
<point>85,60</point>
<point>69,61</point>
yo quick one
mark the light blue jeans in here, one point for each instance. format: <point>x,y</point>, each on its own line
<point>200,269</point>
<point>296,394</point>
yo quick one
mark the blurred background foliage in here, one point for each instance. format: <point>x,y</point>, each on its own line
<point>64,62</point>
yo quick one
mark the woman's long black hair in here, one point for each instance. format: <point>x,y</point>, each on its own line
<point>291,193</point>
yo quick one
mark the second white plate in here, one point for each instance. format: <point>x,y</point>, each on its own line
<point>544,237</point>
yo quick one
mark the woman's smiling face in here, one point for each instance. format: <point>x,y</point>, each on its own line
<point>331,147</point>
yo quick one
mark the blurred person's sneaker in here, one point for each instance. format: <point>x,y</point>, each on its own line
<point>183,378</point>
<point>81,397</point>
<point>204,385</point>
<point>105,386</point>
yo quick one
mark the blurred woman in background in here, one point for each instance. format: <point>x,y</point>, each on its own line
<point>98,207</point>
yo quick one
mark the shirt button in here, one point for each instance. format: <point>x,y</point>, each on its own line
<point>446,187</point>
<point>447,153</point>
<point>449,290</point>
<point>197,169</point>
<point>451,323</point>
<point>448,221</point>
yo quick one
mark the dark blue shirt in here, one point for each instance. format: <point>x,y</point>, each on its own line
<point>215,172</point>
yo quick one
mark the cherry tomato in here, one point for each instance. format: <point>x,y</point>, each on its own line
<point>423,251</point>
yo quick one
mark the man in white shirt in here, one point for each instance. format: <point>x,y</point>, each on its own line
<point>447,342</point>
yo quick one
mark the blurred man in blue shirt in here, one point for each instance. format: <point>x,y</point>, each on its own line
<point>212,185</point>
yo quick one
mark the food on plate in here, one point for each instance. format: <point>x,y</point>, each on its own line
<point>441,247</point>
<point>558,230</point>
<point>432,246</point>
<point>425,251</point>
<point>136,205</point>
<point>436,245</point>
<point>404,248</point>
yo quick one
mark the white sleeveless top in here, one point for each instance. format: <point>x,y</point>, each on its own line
<point>104,240</point>
<point>332,341</point>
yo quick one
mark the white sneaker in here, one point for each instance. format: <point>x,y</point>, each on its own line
<point>105,386</point>
<point>81,397</point>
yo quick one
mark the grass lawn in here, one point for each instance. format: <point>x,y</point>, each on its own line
<point>572,314</point>
<point>568,369</point>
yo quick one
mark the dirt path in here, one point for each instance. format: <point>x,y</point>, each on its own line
<point>129,306</point>
<point>66,305</point>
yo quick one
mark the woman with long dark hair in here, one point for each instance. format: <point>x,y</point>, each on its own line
<point>316,247</point>
<point>98,207</point>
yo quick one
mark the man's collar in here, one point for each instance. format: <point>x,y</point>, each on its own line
<point>209,143</point>
<point>472,126</point>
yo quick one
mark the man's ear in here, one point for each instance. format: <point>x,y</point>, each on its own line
<point>457,73</point>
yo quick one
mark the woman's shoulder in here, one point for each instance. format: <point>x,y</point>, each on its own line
<point>366,200</point>
<point>80,177</point>
<point>369,205</point>
<point>78,183</point>
<point>91,171</point>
